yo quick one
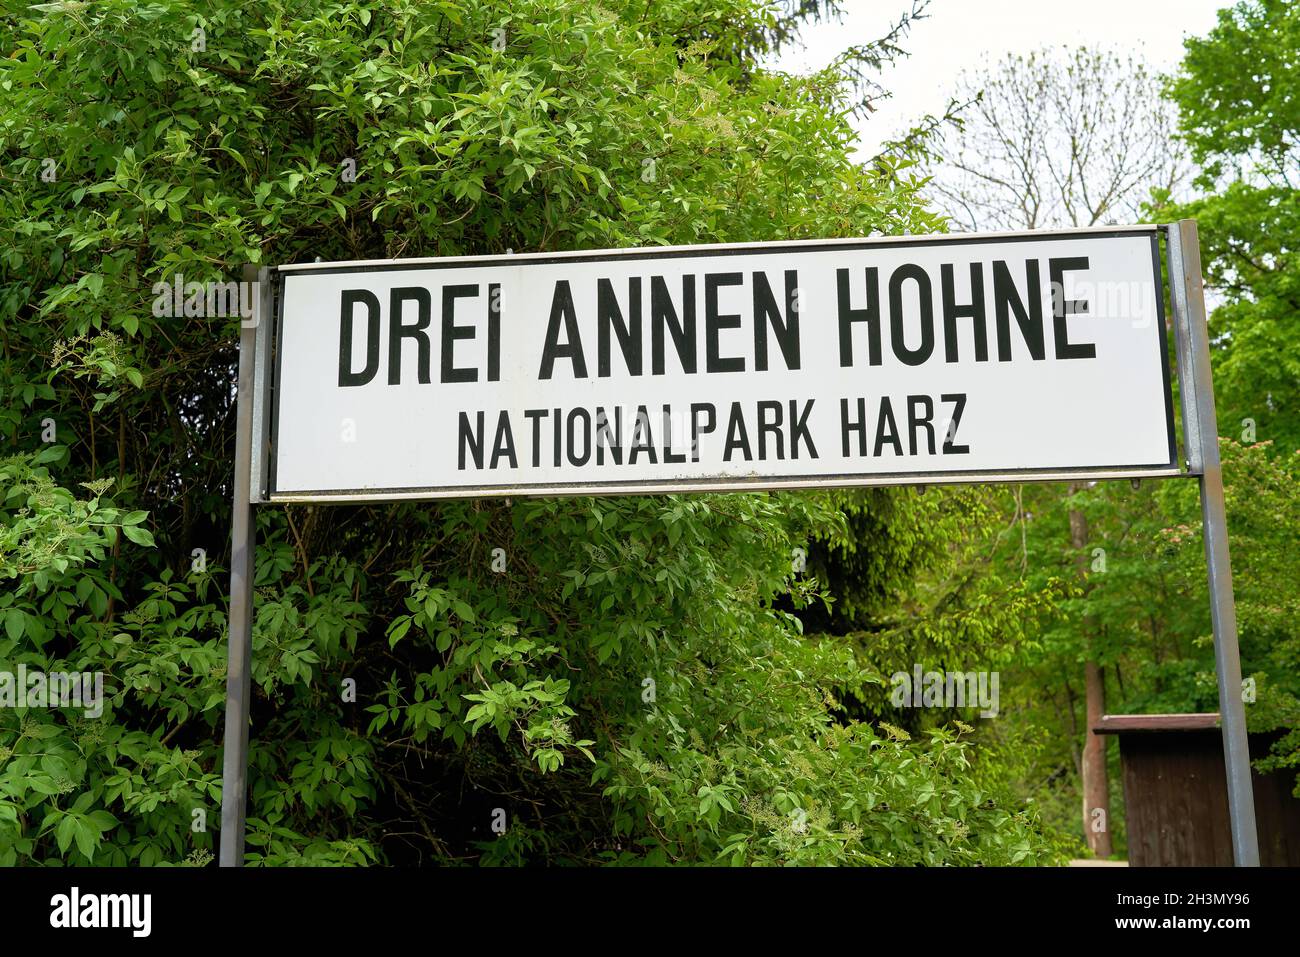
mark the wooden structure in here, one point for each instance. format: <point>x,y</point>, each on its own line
<point>1176,799</point>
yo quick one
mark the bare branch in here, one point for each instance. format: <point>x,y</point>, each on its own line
<point>1076,137</point>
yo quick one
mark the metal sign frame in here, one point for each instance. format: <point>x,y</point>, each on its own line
<point>255,422</point>
<point>1201,442</point>
<point>266,421</point>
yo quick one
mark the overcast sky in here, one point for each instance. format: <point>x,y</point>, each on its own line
<point>960,34</point>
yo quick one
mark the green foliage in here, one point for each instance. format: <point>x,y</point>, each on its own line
<point>1265,515</point>
<point>634,687</point>
<point>61,770</point>
<point>917,580</point>
<point>1134,599</point>
<point>1240,116</point>
<point>1241,119</point>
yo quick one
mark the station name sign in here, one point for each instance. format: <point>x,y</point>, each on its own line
<point>777,365</point>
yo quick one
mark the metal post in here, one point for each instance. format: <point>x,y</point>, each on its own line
<point>1200,436</point>
<point>234,774</point>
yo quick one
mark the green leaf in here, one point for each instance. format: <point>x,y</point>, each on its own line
<point>141,536</point>
<point>86,834</point>
<point>64,832</point>
<point>15,623</point>
<point>397,631</point>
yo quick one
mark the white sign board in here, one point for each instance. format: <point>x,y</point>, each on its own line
<point>857,362</point>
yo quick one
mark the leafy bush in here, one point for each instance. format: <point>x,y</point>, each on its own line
<point>407,697</point>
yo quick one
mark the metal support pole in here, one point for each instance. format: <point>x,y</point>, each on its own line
<point>1201,438</point>
<point>234,774</point>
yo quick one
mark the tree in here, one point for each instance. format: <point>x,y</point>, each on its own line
<point>1070,137</point>
<point>1240,119</point>
<point>1062,138</point>
<point>627,688</point>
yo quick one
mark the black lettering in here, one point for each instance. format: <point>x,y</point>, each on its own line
<point>471,437</point>
<point>799,429</point>
<point>886,418</point>
<point>605,439</point>
<point>642,439</point>
<point>848,426</point>
<point>870,315</point>
<point>975,310</point>
<point>925,421</point>
<point>347,317</point>
<point>451,332</point>
<point>669,457</point>
<point>494,332</point>
<point>535,416</point>
<point>397,332</point>
<point>1006,298</point>
<point>697,429</point>
<point>505,443</point>
<point>785,330</point>
<point>663,314</point>
<point>609,315</point>
<point>925,299</point>
<point>773,427</point>
<point>958,399</point>
<point>737,437</point>
<point>586,436</point>
<point>1061,308</point>
<point>562,310</point>
<point>715,323</point>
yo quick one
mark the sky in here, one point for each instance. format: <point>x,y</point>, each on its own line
<point>960,34</point>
